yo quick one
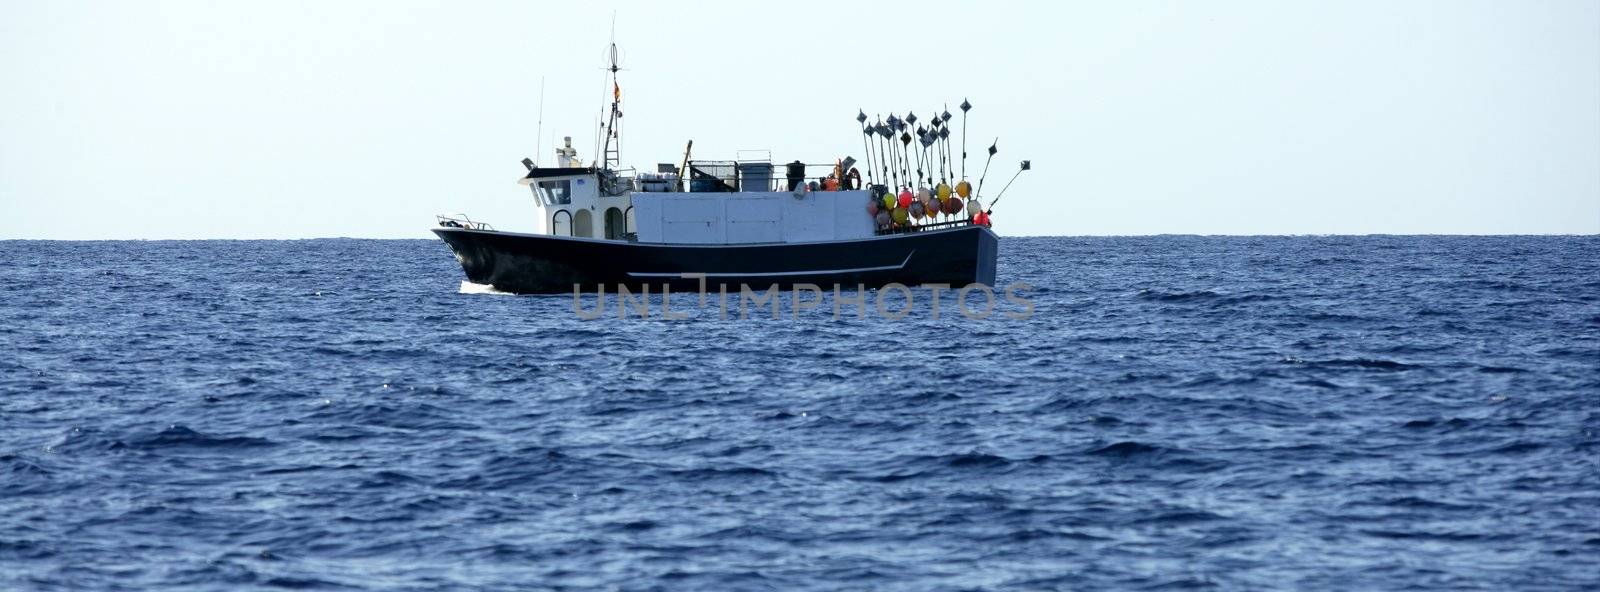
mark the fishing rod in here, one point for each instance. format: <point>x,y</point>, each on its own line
<point>965,107</point>
<point>993,148</point>
<point>911,120</point>
<point>889,172</point>
<point>933,191</point>
<point>944,153</point>
<point>866,146</point>
<point>884,154</point>
<point>926,140</point>
<point>894,147</point>
<point>922,136</point>
<point>944,137</point>
<point>1026,165</point>
<point>905,163</point>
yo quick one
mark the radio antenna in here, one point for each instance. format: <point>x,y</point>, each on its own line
<point>612,152</point>
<point>538,141</point>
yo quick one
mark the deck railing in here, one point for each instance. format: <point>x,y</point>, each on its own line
<point>461,221</point>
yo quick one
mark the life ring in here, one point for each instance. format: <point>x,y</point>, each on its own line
<point>854,179</point>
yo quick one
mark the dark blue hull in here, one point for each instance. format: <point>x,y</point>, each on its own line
<point>540,264</point>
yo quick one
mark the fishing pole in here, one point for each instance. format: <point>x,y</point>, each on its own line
<point>993,148</point>
<point>884,152</point>
<point>944,153</point>
<point>927,156</point>
<point>944,138</point>
<point>1026,165</point>
<point>905,164</point>
<point>911,120</point>
<point>965,107</point>
<point>921,135</point>
<point>866,152</point>
<point>888,139</point>
<point>894,165</point>
<point>933,191</point>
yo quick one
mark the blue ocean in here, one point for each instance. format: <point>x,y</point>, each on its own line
<point>1177,412</point>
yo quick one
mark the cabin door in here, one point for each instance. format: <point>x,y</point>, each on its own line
<point>616,224</point>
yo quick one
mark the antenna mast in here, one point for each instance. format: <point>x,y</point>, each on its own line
<point>538,140</point>
<point>612,152</point>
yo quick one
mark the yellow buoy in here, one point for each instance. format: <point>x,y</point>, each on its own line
<point>900,215</point>
<point>888,201</point>
<point>943,191</point>
<point>964,189</point>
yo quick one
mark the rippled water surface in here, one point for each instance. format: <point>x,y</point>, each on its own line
<point>1308,413</point>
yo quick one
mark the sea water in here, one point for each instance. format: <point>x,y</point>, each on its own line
<point>1305,413</point>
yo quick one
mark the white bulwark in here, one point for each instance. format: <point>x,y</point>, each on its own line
<point>751,217</point>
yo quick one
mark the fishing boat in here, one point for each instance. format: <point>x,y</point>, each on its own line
<point>905,215</point>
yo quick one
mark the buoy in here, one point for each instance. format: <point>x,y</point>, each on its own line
<point>923,194</point>
<point>872,208</point>
<point>964,189</point>
<point>905,198</point>
<point>955,205</point>
<point>981,219</point>
<point>900,215</point>
<point>973,208</point>
<point>943,191</point>
<point>917,210</point>
<point>888,201</point>
<point>882,218</point>
<point>830,184</point>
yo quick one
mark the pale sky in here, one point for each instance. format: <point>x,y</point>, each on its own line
<point>363,119</point>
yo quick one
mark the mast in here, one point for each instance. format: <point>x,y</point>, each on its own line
<point>538,140</point>
<point>612,153</point>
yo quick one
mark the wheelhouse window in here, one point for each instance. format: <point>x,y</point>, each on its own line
<point>554,193</point>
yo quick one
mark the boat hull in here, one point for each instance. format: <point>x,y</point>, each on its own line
<point>541,264</point>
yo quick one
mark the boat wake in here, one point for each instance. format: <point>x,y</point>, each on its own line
<point>472,288</point>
